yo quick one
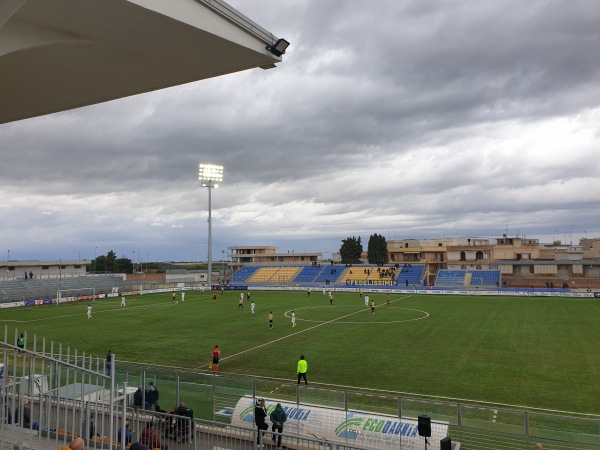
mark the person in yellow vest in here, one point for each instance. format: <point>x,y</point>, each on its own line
<point>20,344</point>
<point>302,369</point>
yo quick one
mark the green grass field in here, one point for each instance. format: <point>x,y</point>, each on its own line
<point>530,352</point>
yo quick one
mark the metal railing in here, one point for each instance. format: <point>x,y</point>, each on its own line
<point>66,394</point>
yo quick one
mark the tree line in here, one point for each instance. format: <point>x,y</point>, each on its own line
<point>352,249</point>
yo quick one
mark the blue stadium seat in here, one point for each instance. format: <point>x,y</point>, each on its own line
<point>410,274</point>
<point>242,275</point>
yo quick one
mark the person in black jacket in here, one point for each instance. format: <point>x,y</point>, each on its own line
<point>152,396</point>
<point>138,397</point>
<point>260,416</point>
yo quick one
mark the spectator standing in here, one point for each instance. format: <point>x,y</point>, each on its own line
<point>152,396</point>
<point>260,416</point>
<point>138,398</point>
<point>302,369</point>
<point>278,418</point>
<point>108,363</point>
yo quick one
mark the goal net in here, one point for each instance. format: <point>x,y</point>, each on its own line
<point>72,295</point>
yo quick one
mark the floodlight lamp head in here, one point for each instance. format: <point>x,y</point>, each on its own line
<point>279,47</point>
<point>210,175</point>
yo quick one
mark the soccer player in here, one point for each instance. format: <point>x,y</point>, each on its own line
<point>293,319</point>
<point>215,297</point>
<point>323,291</point>
<point>372,306</point>
<point>216,355</point>
<point>387,297</point>
<point>252,307</point>
<point>123,302</point>
<point>308,293</point>
<point>330,297</point>
<point>366,301</point>
<point>174,299</point>
<point>360,293</point>
<point>241,302</point>
<point>89,311</point>
<point>270,320</point>
<point>183,296</point>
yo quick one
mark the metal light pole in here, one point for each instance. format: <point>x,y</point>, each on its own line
<point>223,263</point>
<point>210,176</point>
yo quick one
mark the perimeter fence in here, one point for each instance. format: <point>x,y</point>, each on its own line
<point>63,394</point>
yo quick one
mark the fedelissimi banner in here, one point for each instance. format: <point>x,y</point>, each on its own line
<point>354,428</point>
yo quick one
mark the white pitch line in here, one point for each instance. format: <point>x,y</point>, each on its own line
<point>98,311</point>
<point>302,331</point>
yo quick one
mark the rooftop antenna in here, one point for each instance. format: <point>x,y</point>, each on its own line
<point>571,235</point>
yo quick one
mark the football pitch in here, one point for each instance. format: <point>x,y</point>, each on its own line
<point>528,352</point>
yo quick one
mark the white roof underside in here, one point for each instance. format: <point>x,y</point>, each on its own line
<point>61,54</point>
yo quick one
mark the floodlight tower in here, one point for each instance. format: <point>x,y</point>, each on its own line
<point>210,176</point>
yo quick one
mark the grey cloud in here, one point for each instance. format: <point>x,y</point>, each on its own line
<point>417,118</point>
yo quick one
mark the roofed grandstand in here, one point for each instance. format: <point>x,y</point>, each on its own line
<point>334,274</point>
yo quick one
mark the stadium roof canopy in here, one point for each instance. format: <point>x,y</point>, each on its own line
<point>61,54</point>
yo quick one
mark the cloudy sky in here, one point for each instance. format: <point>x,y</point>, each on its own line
<point>407,118</point>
